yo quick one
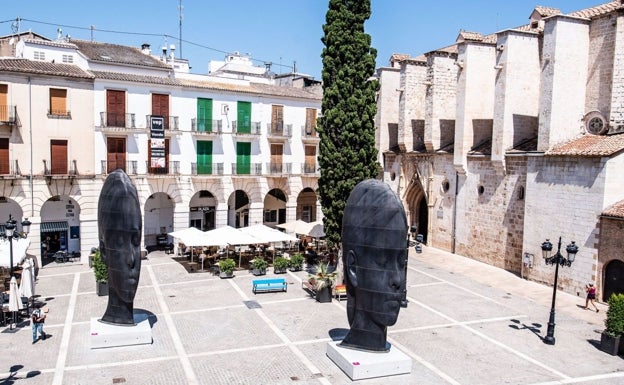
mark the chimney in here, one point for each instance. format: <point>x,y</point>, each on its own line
<point>145,48</point>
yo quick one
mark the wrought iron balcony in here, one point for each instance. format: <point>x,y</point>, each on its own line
<point>172,123</point>
<point>171,168</point>
<point>279,130</point>
<point>130,167</point>
<point>113,120</point>
<point>60,169</point>
<point>8,114</point>
<point>274,168</point>
<point>206,169</point>
<point>9,168</point>
<point>253,130</point>
<point>308,133</point>
<point>246,168</point>
<point>309,168</point>
<point>205,126</point>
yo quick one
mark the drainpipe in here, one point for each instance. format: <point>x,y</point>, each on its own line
<point>455,212</point>
<point>32,197</point>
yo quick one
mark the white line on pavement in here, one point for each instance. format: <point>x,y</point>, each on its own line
<point>69,317</point>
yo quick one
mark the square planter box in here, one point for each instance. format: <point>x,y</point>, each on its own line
<point>610,344</point>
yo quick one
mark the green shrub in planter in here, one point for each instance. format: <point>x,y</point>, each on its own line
<point>99,268</point>
<point>614,323</point>
<point>296,261</point>
<point>280,264</point>
<point>227,266</point>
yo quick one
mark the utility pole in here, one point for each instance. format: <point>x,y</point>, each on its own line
<point>180,7</point>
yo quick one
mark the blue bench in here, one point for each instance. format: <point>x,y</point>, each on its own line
<point>271,284</point>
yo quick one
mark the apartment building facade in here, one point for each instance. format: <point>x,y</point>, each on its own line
<point>203,150</point>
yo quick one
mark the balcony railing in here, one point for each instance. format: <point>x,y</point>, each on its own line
<point>309,132</point>
<point>172,168</point>
<point>117,120</point>
<point>59,114</point>
<point>8,114</point>
<point>207,169</point>
<point>172,123</point>
<point>246,168</point>
<point>130,167</point>
<point>60,168</point>
<point>8,167</point>
<point>279,130</point>
<point>254,129</point>
<point>309,168</point>
<point>278,168</point>
<point>203,125</point>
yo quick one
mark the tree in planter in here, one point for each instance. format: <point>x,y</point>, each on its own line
<point>347,152</point>
<point>296,262</point>
<point>611,338</point>
<point>226,267</point>
<point>100,270</point>
<point>259,266</point>
<point>280,265</point>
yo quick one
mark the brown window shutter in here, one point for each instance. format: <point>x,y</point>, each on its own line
<point>160,106</point>
<point>116,154</point>
<point>5,166</point>
<point>58,101</point>
<point>277,118</point>
<point>4,107</point>
<point>310,121</point>
<point>115,108</point>
<point>58,149</point>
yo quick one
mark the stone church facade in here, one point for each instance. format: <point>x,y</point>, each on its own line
<point>498,142</point>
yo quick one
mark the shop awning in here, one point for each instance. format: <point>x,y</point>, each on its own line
<point>48,227</point>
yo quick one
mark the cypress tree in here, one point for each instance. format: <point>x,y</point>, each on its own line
<point>347,153</point>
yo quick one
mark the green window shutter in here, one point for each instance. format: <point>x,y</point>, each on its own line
<point>204,115</point>
<point>244,117</point>
<point>204,157</point>
<point>243,158</point>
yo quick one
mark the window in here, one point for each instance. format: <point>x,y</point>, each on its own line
<point>58,156</point>
<point>68,59</point>
<point>115,154</point>
<point>39,55</point>
<point>204,157</point>
<point>310,126</point>
<point>5,167</point>
<point>243,158</point>
<point>277,119</point>
<point>204,115</point>
<point>243,115</point>
<point>58,102</point>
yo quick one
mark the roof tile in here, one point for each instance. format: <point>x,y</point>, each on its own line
<point>43,68</point>
<point>615,210</point>
<point>590,146</point>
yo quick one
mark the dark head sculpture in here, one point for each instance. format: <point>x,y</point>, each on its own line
<point>374,240</point>
<point>119,225</point>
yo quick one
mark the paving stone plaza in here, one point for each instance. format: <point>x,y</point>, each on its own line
<point>466,323</point>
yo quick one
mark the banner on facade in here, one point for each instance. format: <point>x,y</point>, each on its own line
<point>157,136</point>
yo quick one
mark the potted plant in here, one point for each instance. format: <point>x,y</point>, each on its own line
<point>259,266</point>
<point>226,268</point>
<point>324,282</point>
<point>100,270</point>
<point>611,337</point>
<point>296,262</point>
<point>280,265</point>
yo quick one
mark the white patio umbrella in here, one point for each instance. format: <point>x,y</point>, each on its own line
<point>27,285</point>
<point>15,300</point>
<point>191,236</point>
<point>317,230</point>
<point>228,235</point>
<point>297,227</point>
<point>20,246</point>
<point>268,234</point>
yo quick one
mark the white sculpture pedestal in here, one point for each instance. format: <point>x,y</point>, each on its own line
<point>359,364</point>
<point>105,335</point>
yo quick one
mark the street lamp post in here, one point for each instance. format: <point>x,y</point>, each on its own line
<point>9,232</point>
<point>9,229</point>
<point>556,260</point>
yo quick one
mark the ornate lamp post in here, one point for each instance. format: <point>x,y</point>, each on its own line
<point>556,260</point>
<point>9,229</point>
<point>26,226</point>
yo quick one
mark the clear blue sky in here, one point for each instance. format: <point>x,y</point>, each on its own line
<point>279,31</point>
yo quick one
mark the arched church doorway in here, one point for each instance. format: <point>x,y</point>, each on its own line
<point>613,279</point>
<point>417,209</point>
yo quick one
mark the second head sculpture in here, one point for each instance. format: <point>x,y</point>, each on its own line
<point>119,225</point>
<point>374,240</point>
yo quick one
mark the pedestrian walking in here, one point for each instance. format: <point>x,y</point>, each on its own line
<point>590,289</point>
<point>37,319</point>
